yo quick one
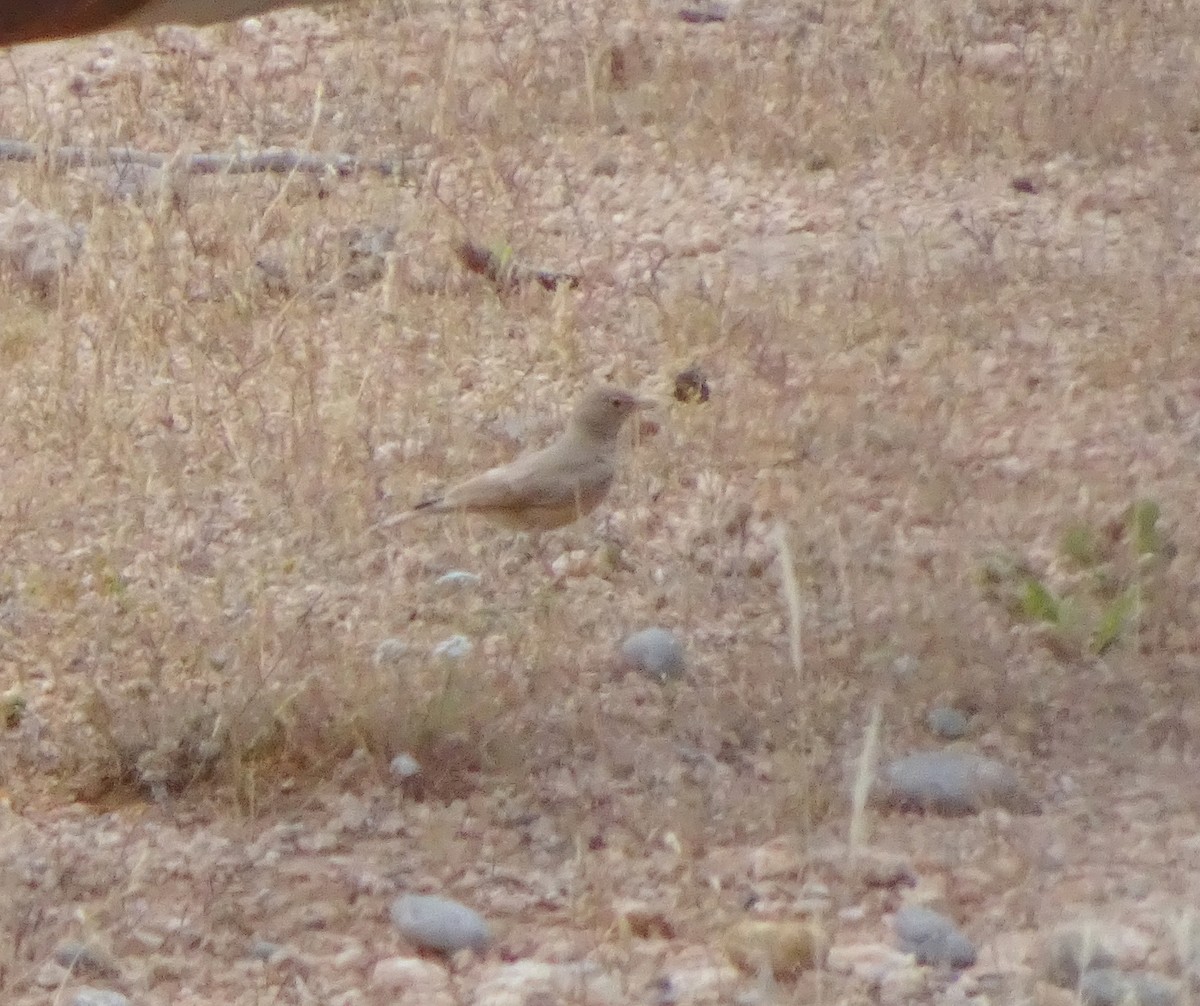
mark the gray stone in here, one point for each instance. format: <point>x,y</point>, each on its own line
<point>404,766</point>
<point>1153,990</point>
<point>1113,987</point>
<point>948,723</point>
<point>98,997</point>
<point>1071,952</point>
<point>705,13</point>
<point>459,578</point>
<point>39,245</point>
<point>84,959</point>
<point>390,651</point>
<point>265,950</point>
<point>951,782</point>
<point>51,976</point>
<point>932,938</point>
<point>656,653</point>
<point>1103,987</point>
<point>453,648</point>
<point>433,923</point>
<point>369,248</point>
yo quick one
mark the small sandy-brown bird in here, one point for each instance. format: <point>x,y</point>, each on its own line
<point>552,487</point>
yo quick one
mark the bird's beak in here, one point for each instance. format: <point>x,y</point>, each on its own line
<point>649,426</point>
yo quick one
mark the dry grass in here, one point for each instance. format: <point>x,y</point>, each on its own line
<point>913,367</point>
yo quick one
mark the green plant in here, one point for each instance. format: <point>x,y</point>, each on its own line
<point>1108,575</point>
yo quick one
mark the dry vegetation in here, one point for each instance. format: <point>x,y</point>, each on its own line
<point>939,261</point>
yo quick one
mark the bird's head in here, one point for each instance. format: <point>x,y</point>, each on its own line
<point>603,411</point>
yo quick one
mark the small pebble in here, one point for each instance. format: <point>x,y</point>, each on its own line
<point>1071,951</point>
<point>83,959</point>
<point>932,938</point>
<point>664,992</point>
<point>453,648</point>
<point>712,13</point>
<point>904,986</point>
<point>264,950</point>
<point>51,976</point>
<point>459,578</point>
<point>656,653</point>
<point>98,997</point>
<point>439,924</point>
<point>1112,987</point>
<point>868,962</point>
<point>404,766</point>
<point>575,564</point>
<point>607,165</point>
<point>411,980</point>
<point>948,723</point>
<point>389,651</point>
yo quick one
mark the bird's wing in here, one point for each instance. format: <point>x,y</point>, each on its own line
<point>558,476</point>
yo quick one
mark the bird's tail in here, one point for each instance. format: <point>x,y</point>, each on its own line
<point>422,509</point>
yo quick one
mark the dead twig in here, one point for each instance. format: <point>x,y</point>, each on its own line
<point>273,159</point>
<point>506,274</point>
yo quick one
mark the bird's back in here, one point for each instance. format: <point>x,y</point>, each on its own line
<point>570,472</point>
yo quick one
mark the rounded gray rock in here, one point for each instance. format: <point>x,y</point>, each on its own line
<point>1112,987</point>
<point>439,924</point>
<point>951,782</point>
<point>404,766</point>
<point>932,938</point>
<point>98,997</point>
<point>1072,951</point>
<point>656,653</point>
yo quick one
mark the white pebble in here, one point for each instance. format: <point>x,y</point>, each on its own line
<point>440,924</point>
<point>453,648</point>
<point>404,766</point>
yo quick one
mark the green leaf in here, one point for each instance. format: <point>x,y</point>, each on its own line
<point>1039,603</point>
<point>1143,527</point>
<point>1114,621</point>
<point>502,254</point>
